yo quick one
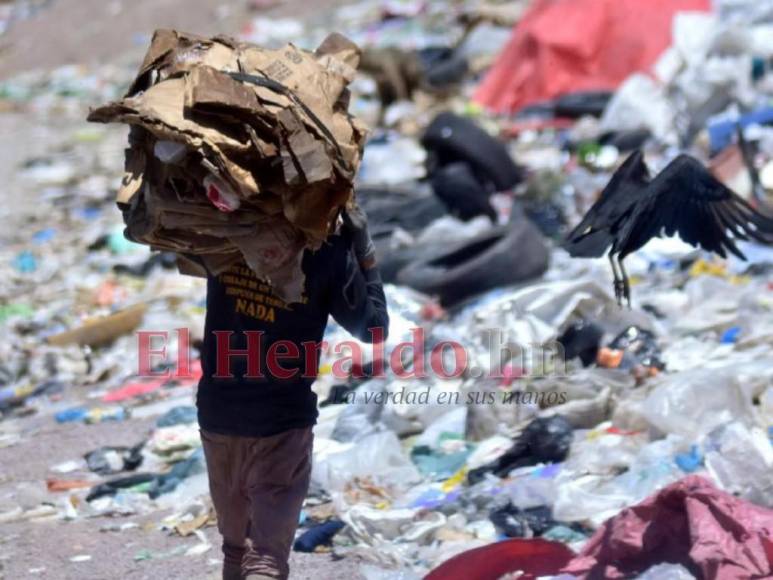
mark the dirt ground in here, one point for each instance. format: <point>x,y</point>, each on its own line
<point>102,31</point>
<point>97,31</point>
<point>44,548</point>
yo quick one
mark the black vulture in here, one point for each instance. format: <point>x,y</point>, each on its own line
<point>684,199</point>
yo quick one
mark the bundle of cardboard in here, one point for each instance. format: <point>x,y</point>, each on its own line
<point>238,152</point>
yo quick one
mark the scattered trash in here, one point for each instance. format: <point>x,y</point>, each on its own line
<point>66,484</point>
<point>635,350</point>
<point>582,340</point>
<point>177,415</point>
<point>191,519</point>
<point>574,423</point>
<point>95,415</point>
<point>542,441</point>
<point>515,522</point>
<point>67,466</point>
<point>100,331</point>
<point>109,460</point>
<point>318,535</point>
<point>140,481</point>
<point>167,482</point>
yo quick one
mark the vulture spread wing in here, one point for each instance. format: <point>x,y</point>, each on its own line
<point>685,199</point>
<point>599,228</point>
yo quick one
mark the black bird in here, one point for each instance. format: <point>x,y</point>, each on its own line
<point>684,199</point>
<point>459,190</point>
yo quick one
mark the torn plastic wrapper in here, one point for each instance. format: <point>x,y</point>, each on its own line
<point>221,196</point>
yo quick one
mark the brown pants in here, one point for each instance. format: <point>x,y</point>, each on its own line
<point>258,485</point>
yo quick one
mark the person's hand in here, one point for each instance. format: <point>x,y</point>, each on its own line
<point>356,222</point>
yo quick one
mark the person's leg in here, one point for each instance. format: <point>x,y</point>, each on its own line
<point>226,456</point>
<point>277,485</point>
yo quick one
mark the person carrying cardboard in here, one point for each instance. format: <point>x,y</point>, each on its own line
<point>255,405</point>
<point>241,160</point>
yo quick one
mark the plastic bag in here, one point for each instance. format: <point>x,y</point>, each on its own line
<point>545,440</point>
<point>594,497</point>
<point>373,526</point>
<point>640,103</point>
<point>692,403</point>
<point>666,572</point>
<point>362,416</point>
<point>377,456</point>
<point>741,461</point>
<point>376,573</point>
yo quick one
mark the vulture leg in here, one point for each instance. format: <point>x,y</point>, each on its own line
<point>626,283</point>
<point>618,281</point>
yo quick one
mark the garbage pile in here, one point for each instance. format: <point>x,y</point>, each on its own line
<point>13,11</point>
<point>576,434</point>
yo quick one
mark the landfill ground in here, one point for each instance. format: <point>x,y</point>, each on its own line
<point>43,549</point>
<point>71,32</point>
<point>91,31</point>
<point>585,437</point>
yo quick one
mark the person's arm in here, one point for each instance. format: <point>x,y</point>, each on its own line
<point>358,302</point>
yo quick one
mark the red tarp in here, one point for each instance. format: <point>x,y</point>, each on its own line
<point>710,532</point>
<point>534,558</point>
<point>563,46</point>
<point>144,386</point>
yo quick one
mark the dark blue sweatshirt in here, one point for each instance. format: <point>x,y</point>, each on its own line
<point>258,398</point>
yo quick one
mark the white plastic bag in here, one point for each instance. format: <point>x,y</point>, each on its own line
<point>692,403</point>
<point>741,461</point>
<point>377,456</point>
